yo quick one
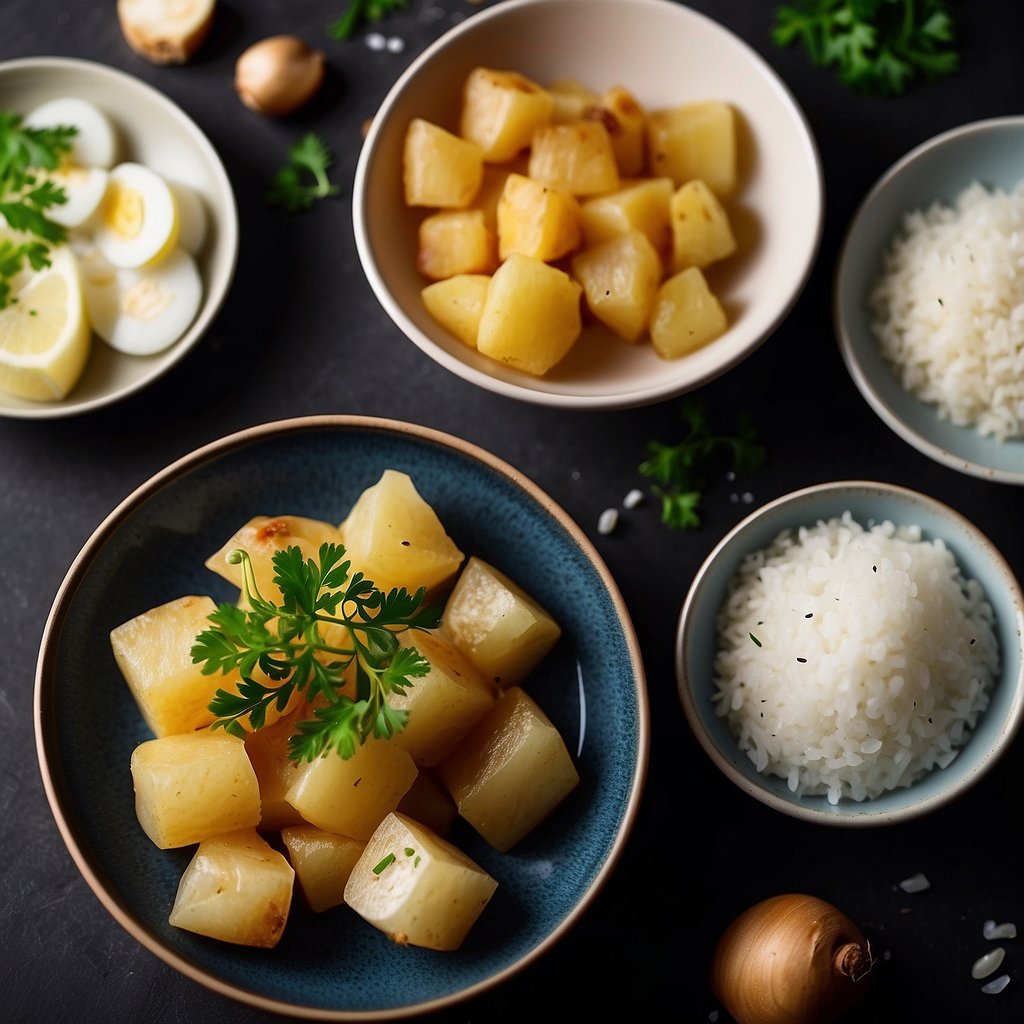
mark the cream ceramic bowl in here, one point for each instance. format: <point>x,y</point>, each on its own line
<point>154,131</point>
<point>665,54</point>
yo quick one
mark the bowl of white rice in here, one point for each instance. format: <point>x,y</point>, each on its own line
<point>851,654</point>
<point>929,298</point>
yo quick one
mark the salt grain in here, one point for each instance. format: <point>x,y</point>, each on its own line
<point>915,883</point>
<point>996,986</point>
<point>988,964</point>
<point>375,41</point>
<point>633,499</point>
<point>608,520</point>
<point>395,44</point>
<point>991,930</point>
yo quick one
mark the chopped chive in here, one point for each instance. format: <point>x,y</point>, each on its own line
<point>754,638</point>
<point>383,864</point>
<point>408,851</point>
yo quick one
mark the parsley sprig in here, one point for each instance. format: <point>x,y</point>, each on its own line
<point>679,470</point>
<point>288,643</point>
<point>360,11</point>
<point>304,179</point>
<point>26,194</point>
<point>875,46</point>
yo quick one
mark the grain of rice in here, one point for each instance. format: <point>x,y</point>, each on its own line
<point>882,683</point>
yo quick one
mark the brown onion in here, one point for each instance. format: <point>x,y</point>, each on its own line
<point>278,75</point>
<point>790,959</point>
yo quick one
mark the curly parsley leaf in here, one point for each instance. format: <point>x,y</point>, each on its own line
<point>305,178</point>
<point>360,11</point>
<point>875,46</point>
<point>288,643</point>
<point>679,471</point>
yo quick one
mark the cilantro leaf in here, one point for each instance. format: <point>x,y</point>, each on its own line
<point>875,46</point>
<point>304,179</point>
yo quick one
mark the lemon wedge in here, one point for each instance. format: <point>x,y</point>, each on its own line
<point>45,337</point>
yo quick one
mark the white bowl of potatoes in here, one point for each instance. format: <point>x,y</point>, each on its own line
<point>607,220</point>
<point>160,630</point>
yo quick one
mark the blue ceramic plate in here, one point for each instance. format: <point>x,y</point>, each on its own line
<point>868,503</point>
<point>990,152</point>
<point>151,548</point>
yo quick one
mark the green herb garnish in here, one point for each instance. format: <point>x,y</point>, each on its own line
<point>26,195</point>
<point>304,179</point>
<point>360,11</point>
<point>679,470</point>
<point>757,642</point>
<point>388,860</point>
<point>875,46</point>
<point>286,641</point>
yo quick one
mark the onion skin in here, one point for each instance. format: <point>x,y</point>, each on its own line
<point>790,959</point>
<point>279,74</point>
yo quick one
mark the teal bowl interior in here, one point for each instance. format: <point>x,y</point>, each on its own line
<point>152,549</point>
<point>990,152</point>
<point>868,502</point>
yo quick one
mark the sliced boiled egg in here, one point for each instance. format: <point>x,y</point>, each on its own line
<point>140,311</point>
<point>137,222</point>
<point>95,144</point>
<point>84,188</point>
<point>192,219</point>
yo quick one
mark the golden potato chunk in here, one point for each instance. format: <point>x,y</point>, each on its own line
<point>572,99</point>
<point>501,110</point>
<point>694,140</point>
<point>496,624</point>
<point>536,220</point>
<point>417,887</point>
<point>429,802</point>
<point>439,169</point>
<point>620,278</point>
<point>236,888</point>
<point>322,863</point>
<point>640,206</point>
<point>686,315</point>
<point>396,539</point>
<point>701,232</point>
<point>576,158</point>
<point>455,242</point>
<point>350,796</point>
<point>193,786</point>
<point>626,121</point>
<point>531,316</point>
<point>457,304</point>
<point>152,650</point>
<point>511,771</point>
<point>444,704</point>
<point>267,749</point>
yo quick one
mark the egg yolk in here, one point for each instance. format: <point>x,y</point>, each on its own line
<point>123,211</point>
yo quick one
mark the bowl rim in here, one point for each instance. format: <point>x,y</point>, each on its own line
<point>227,227</point>
<point>840,320</point>
<point>859,816</point>
<point>245,437</point>
<point>637,396</point>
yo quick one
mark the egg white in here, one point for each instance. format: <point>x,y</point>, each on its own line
<point>192,219</point>
<point>96,143</point>
<point>137,222</point>
<point>84,188</point>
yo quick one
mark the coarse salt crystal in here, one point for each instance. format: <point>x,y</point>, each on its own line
<point>375,41</point>
<point>996,986</point>
<point>608,520</point>
<point>395,44</point>
<point>989,963</point>
<point>633,499</point>
<point>915,883</point>
<point>1007,930</point>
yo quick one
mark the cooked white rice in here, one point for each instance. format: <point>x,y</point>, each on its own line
<point>948,310</point>
<point>852,660</point>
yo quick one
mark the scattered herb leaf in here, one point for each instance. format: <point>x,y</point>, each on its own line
<point>286,643</point>
<point>388,860</point>
<point>360,11</point>
<point>754,638</point>
<point>875,46</point>
<point>26,195</point>
<point>679,470</point>
<point>304,179</point>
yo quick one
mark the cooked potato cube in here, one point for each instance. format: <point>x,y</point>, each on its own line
<point>496,624</point>
<point>694,140</point>
<point>416,887</point>
<point>641,206</point>
<point>457,303</point>
<point>620,278</point>
<point>444,704</point>
<point>686,315</point>
<point>531,316</point>
<point>439,168</point>
<point>576,158</point>
<point>269,756</point>
<point>396,539</point>
<point>701,232</point>
<point>491,188</point>
<point>429,802</point>
<point>511,771</point>
<point>322,863</point>
<point>572,100</point>
<point>236,888</point>
<point>501,110</point>
<point>455,242</point>
<point>626,122</point>
<point>536,220</point>
<point>193,786</point>
<point>350,796</point>
<point>152,651</point>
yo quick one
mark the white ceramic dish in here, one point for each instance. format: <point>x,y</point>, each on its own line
<point>937,170</point>
<point>666,54</point>
<point>154,131</point>
<point>868,502</point>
